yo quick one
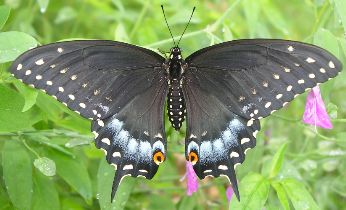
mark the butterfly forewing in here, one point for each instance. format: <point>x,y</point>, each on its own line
<point>256,77</point>
<point>93,78</point>
<point>120,87</point>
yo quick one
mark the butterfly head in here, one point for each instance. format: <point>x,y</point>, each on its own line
<point>175,52</point>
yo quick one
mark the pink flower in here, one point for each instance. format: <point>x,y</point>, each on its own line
<point>192,182</point>
<point>315,112</point>
<point>229,193</point>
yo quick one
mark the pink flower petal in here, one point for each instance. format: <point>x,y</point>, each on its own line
<point>315,111</point>
<point>229,193</point>
<point>192,181</point>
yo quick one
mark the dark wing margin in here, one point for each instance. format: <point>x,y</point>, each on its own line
<point>256,77</point>
<point>230,86</point>
<point>120,87</point>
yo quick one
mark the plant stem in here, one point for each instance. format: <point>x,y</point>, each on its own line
<point>49,133</point>
<point>30,149</point>
<point>224,16</point>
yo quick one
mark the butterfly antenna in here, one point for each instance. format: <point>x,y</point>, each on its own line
<point>193,10</point>
<point>164,15</point>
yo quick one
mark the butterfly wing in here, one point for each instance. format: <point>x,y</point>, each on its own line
<point>256,77</point>
<point>217,137</point>
<point>89,75</point>
<point>119,86</point>
<point>134,139</point>
<point>229,86</point>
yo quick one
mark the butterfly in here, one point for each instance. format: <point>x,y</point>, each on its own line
<point>221,91</point>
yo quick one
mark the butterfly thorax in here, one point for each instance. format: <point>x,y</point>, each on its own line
<point>175,66</point>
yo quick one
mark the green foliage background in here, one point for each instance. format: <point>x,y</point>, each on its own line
<point>48,157</point>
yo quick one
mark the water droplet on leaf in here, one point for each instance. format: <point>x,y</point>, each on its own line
<point>46,166</point>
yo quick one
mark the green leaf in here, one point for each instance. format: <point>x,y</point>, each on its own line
<point>17,172</point>
<point>71,203</point>
<point>45,194</point>
<point>74,172</point>
<point>43,5</point>
<point>160,200</point>
<point>254,190</point>
<point>121,34</point>
<point>340,80</point>
<point>75,122</point>
<point>30,95</point>
<point>187,202</point>
<point>65,14</point>
<point>119,5</point>
<point>277,161</point>
<point>51,142</point>
<point>325,39</point>
<point>74,142</point>
<point>4,14</point>
<point>124,191</point>
<point>5,202</point>
<point>340,7</point>
<point>281,195</point>
<point>14,43</point>
<point>105,176</point>
<point>331,165</point>
<point>332,110</point>
<point>343,45</point>
<point>299,195</point>
<point>11,116</point>
<point>45,165</point>
<point>227,33</point>
<point>51,108</point>
<point>252,11</point>
<point>274,16</point>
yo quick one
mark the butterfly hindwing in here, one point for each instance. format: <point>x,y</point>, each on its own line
<point>218,137</point>
<point>254,78</point>
<point>134,138</point>
<point>121,87</point>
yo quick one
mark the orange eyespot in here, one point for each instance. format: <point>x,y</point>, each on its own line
<point>158,157</point>
<point>193,158</point>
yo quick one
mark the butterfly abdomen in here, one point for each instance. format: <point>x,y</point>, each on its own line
<point>176,104</point>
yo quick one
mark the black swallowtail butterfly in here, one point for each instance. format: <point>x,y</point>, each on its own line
<point>222,90</point>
